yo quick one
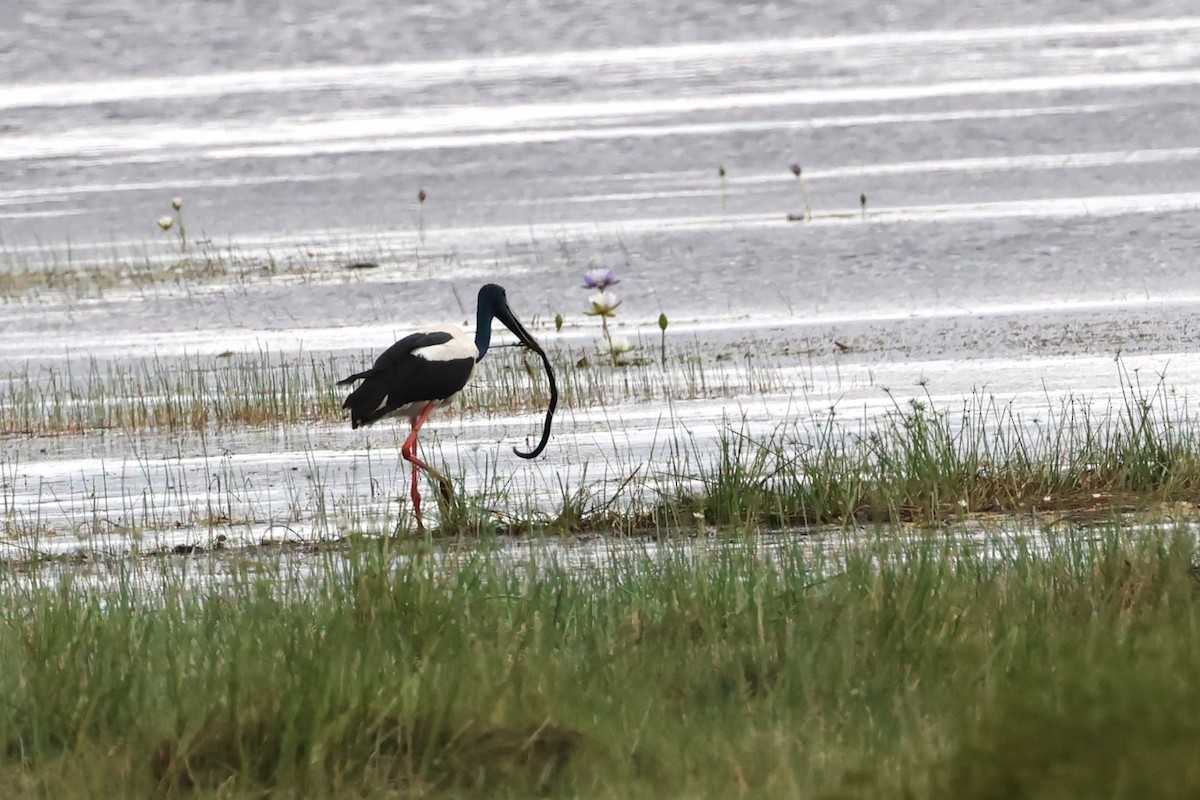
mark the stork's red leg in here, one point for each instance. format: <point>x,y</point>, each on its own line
<point>416,499</point>
<point>409,451</point>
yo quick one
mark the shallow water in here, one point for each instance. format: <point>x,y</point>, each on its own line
<point>116,492</point>
<point>1032,180</point>
<point>1007,156</point>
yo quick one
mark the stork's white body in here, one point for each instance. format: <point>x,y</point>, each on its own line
<point>461,348</point>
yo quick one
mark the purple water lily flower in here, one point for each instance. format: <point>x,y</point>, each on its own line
<point>600,278</point>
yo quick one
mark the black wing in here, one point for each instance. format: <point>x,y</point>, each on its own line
<point>398,378</point>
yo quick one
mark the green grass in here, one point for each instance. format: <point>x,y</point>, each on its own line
<point>927,465</point>
<point>904,667</point>
<point>915,464</point>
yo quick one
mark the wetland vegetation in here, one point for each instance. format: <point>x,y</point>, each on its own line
<point>927,598</point>
<point>968,601</point>
<point>917,461</point>
<point>920,538</point>
<point>41,275</point>
<point>868,665</point>
<point>228,390</point>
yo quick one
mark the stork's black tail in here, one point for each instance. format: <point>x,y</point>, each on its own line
<point>367,401</point>
<point>358,376</point>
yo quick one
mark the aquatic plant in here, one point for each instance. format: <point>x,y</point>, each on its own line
<point>662,328</point>
<point>604,304</point>
<point>621,345</point>
<point>600,279</point>
<point>167,222</point>
<point>798,171</point>
<point>421,196</point>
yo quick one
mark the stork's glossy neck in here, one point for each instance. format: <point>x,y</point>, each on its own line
<point>484,314</point>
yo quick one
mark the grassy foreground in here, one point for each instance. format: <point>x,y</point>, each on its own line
<point>901,667</point>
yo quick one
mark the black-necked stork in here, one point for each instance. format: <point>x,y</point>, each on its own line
<point>425,369</point>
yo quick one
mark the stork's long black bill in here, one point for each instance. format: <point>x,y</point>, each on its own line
<point>505,315</point>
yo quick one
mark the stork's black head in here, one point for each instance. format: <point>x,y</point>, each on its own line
<point>492,290</point>
<point>492,298</point>
<point>493,304</point>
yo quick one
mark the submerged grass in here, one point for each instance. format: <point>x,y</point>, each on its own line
<point>913,463</point>
<point>155,267</point>
<point>200,393</point>
<point>897,668</point>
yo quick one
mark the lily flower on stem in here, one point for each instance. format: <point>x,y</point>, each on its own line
<point>603,304</point>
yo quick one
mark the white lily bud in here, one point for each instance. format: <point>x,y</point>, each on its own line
<point>620,344</point>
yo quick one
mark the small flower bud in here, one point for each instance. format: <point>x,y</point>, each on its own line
<point>558,321</point>
<point>165,223</point>
<point>662,322</point>
<point>176,203</point>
